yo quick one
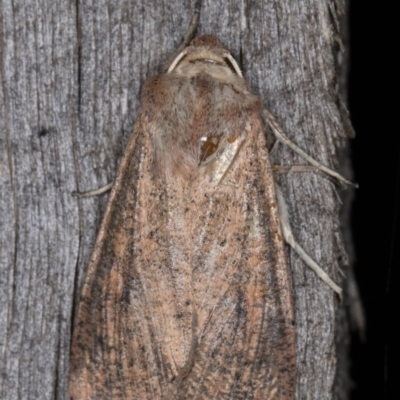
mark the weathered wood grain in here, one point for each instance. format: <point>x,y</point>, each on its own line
<point>71,74</point>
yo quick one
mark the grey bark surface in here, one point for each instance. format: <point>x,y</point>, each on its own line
<point>71,74</point>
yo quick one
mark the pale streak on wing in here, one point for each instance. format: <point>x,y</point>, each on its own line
<point>223,160</point>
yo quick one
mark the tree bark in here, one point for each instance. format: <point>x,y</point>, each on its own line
<point>71,74</point>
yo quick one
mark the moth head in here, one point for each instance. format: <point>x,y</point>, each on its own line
<point>206,49</point>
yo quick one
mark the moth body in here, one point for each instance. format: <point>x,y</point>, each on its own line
<point>188,293</point>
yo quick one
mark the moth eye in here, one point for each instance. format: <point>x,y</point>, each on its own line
<point>208,146</point>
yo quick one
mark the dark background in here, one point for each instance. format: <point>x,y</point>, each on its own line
<point>373,103</point>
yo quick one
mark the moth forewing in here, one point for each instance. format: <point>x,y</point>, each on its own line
<point>187,294</point>
<point>241,282</point>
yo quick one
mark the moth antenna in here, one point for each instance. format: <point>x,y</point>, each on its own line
<point>189,35</point>
<point>234,64</point>
<point>176,61</point>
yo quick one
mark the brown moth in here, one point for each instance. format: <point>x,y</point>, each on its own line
<point>187,294</point>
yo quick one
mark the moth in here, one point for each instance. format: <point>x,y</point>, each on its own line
<point>187,294</point>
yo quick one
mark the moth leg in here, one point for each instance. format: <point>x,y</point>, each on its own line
<point>95,192</point>
<point>284,169</point>
<point>289,238</point>
<point>280,135</point>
